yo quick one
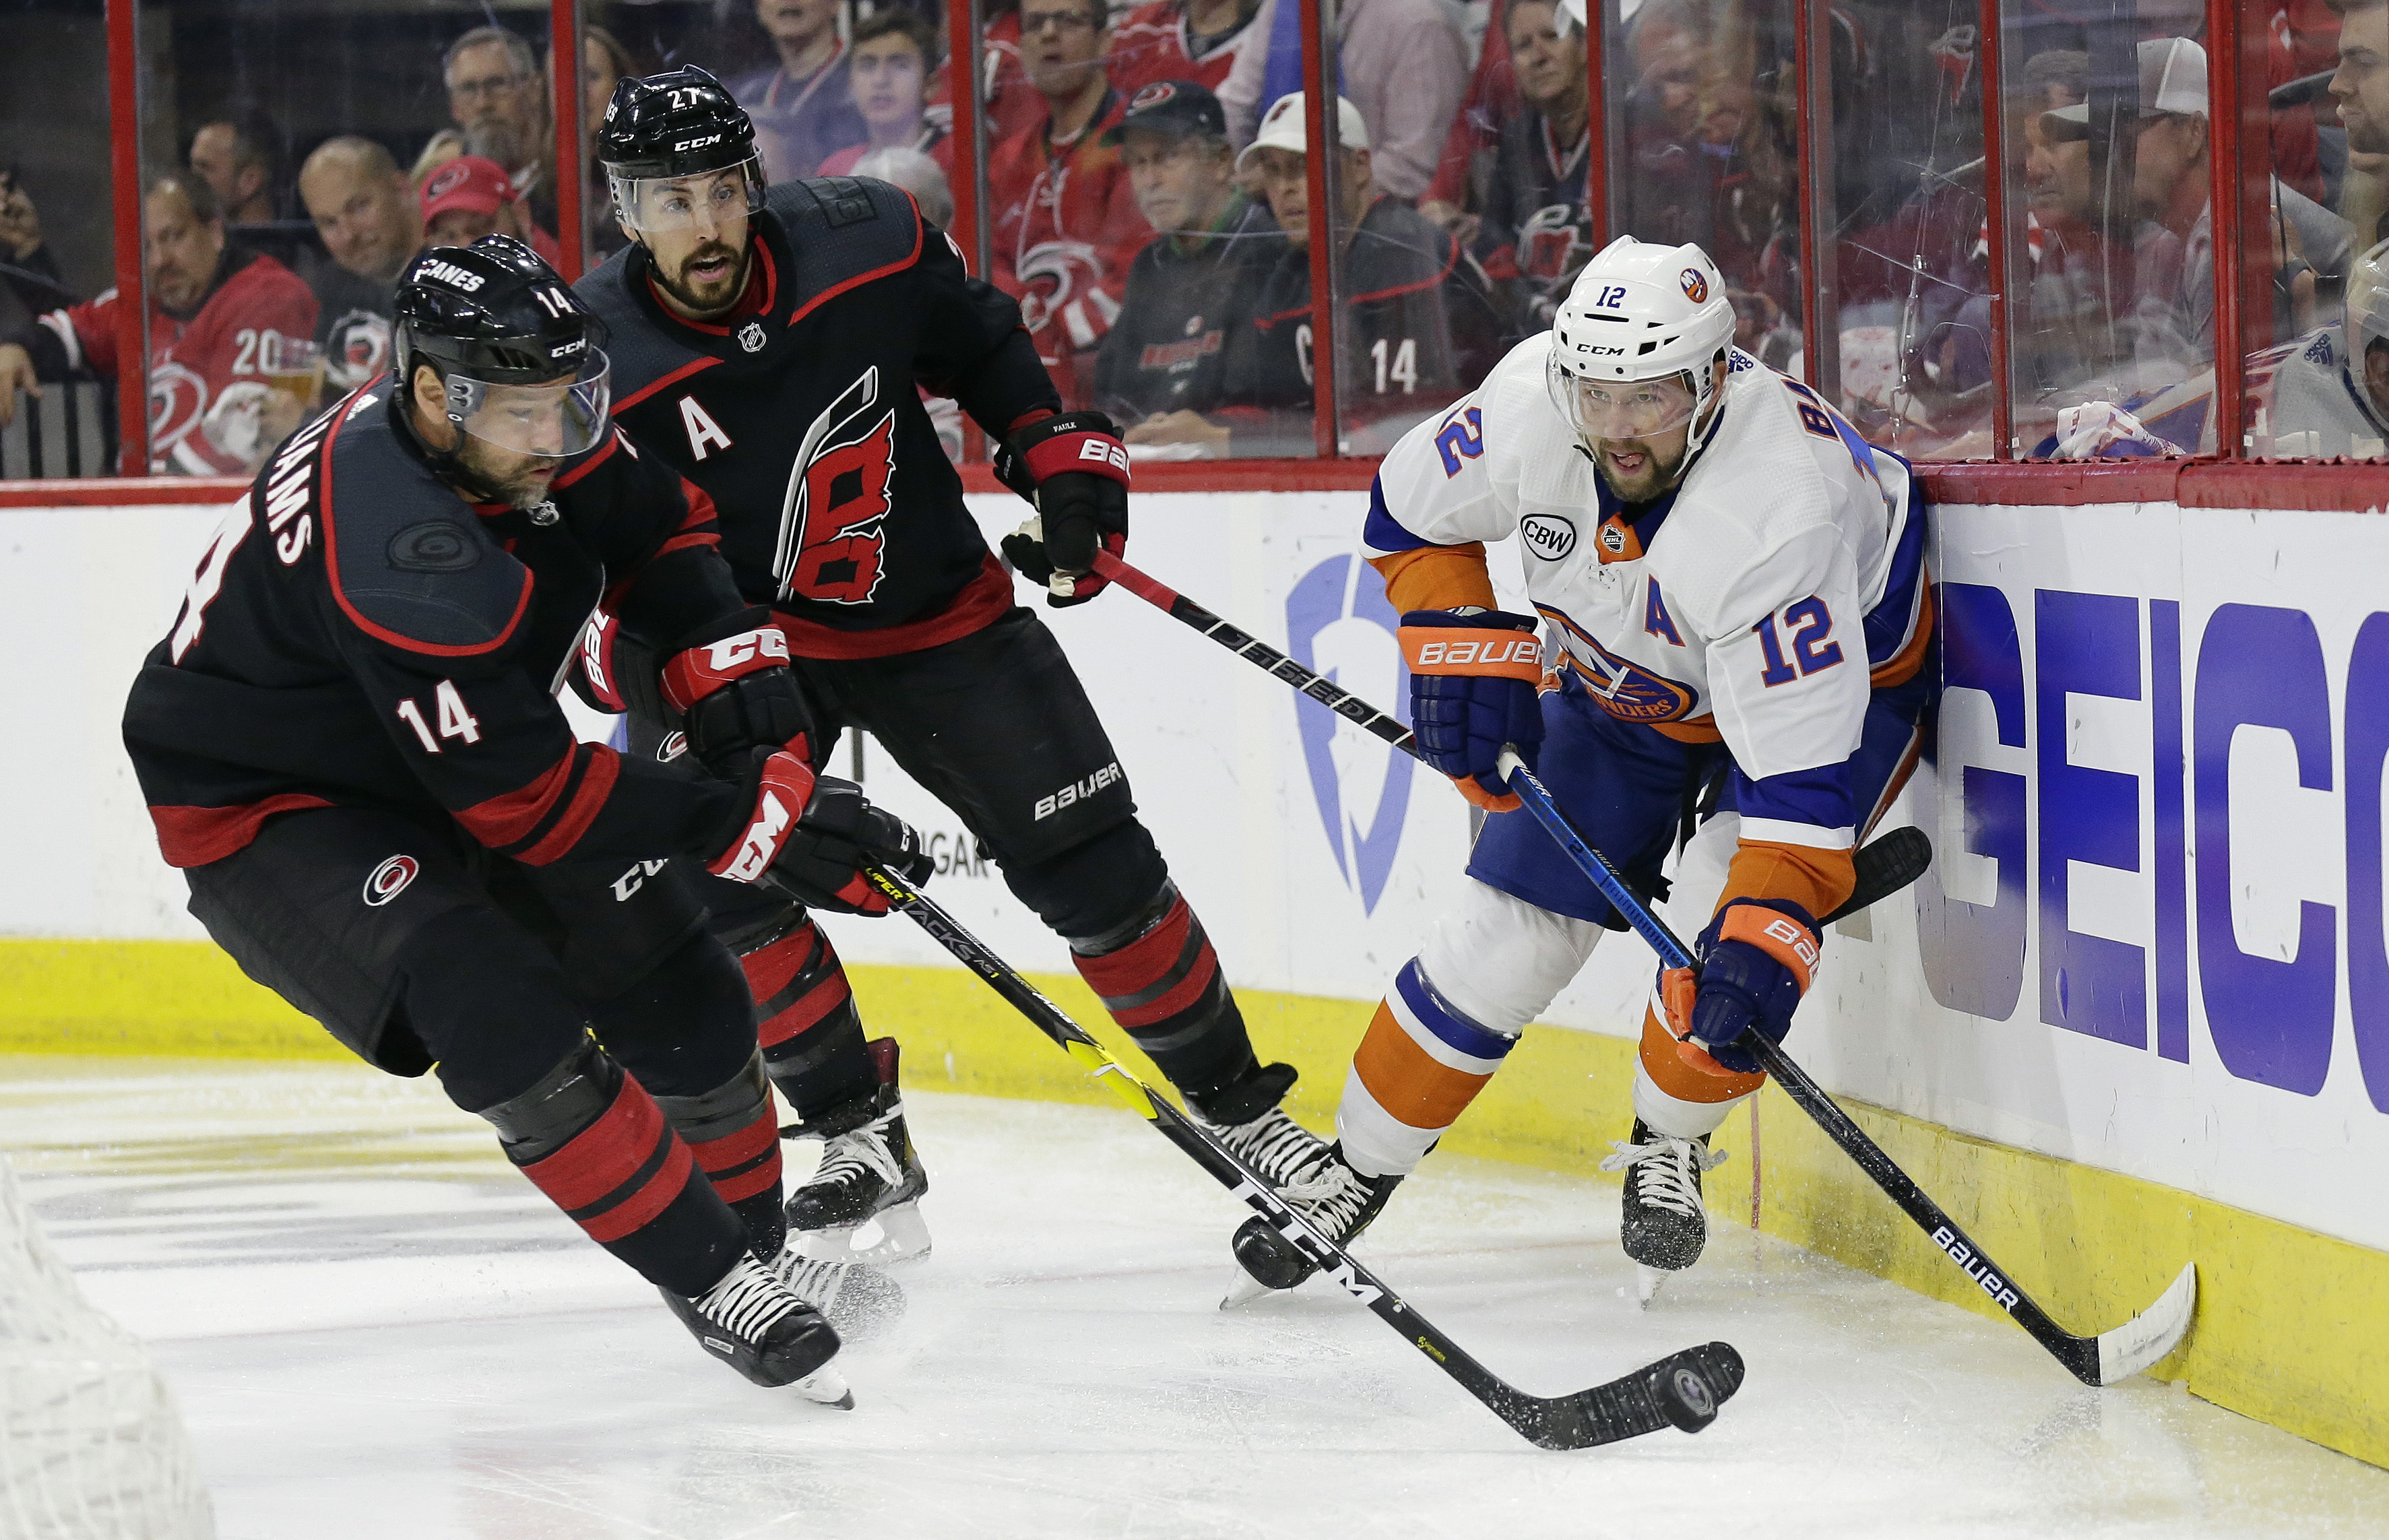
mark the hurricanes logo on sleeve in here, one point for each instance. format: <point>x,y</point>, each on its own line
<point>834,523</point>
<point>389,880</point>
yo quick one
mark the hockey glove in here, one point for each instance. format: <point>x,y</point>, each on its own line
<point>592,670</point>
<point>1756,959</point>
<point>1473,677</point>
<point>734,693</point>
<point>809,836</point>
<point>1074,469</point>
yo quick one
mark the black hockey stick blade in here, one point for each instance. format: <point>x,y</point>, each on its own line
<point>1885,865</point>
<point>1683,1390</point>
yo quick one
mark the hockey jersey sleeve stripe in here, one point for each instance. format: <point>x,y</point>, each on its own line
<point>1901,665</point>
<point>1382,534</point>
<point>1440,577</point>
<point>539,822</point>
<point>859,279</point>
<point>580,809</point>
<point>194,837</point>
<point>624,403</point>
<point>1815,879</point>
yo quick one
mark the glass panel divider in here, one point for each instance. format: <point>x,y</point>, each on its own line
<point>133,295</point>
<point>1995,226</point>
<point>567,55</point>
<point>1322,92</point>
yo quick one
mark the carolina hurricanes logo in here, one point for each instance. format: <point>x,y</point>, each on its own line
<point>1152,95</point>
<point>1696,288</point>
<point>178,398</point>
<point>445,181</point>
<point>389,880</point>
<point>1055,272</point>
<point>356,347</point>
<point>833,526</point>
<point>1625,689</point>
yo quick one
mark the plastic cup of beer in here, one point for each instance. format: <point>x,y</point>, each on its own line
<point>294,367</point>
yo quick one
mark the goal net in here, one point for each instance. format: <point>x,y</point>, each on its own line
<point>91,1447</point>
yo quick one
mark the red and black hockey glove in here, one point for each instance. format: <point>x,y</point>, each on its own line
<point>1756,959</point>
<point>809,836</point>
<point>592,673</point>
<point>734,693</point>
<point>1474,674</point>
<point>1074,469</point>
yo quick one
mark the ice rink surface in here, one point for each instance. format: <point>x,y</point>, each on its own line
<point>377,1330</point>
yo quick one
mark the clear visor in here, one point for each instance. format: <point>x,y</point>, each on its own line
<point>658,205</point>
<point>1621,409</point>
<point>554,421</point>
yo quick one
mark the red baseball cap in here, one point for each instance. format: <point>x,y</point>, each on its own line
<point>468,182</point>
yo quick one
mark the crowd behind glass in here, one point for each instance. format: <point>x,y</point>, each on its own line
<point>1147,191</point>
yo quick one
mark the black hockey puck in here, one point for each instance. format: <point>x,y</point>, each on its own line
<point>1269,1259</point>
<point>1688,1386</point>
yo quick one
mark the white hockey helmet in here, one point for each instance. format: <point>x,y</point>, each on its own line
<point>1644,316</point>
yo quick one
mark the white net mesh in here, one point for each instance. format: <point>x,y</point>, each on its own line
<point>90,1445</point>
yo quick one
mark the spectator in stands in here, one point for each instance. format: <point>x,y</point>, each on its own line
<point>1466,170</point>
<point>30,281</point>
<point>217,312</point>
<point>1421,328</point>
<point>1178,40</point>
<point>497,98</point>
<point>1536,228</point>
<point>888,65</point>
<point>469,197</point>
<point>917,175</point>
<point>238,155</point>
<point>802,107</point>
<point>1403,62</point>
<point>1191,289</point>
<point>2360,86</point>
<point>371,225</point>
<point>1669,190</point>
<point>604,61</point>
<point>1065,223</point>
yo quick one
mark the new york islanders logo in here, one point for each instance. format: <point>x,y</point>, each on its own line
<point>1696,285</point>
<point>1625,689</point>
<point>834,523</point>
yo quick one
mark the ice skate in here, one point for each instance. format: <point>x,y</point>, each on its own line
<point>869,1180</point>
<point>857,1299</point>
<point>761,1328</point>
<point>1337,1200</point>
<point>1275,1146</point>
<point>1664,1226</point>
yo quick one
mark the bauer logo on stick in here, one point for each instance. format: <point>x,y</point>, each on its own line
<point>389,880</point>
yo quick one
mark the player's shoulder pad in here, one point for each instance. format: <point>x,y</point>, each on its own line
<point>638,351</point>
<point>408,562</point>
<point>844,229</point>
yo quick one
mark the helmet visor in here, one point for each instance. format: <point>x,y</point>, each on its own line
<point>659,205</point>
<point>1601,409</point>
<point>554,421</point>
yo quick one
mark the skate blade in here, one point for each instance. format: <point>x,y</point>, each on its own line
<point>1648,1281</point>
<point>1245,1289</point>
<point>897,1234</point>
<point>827,1387</point>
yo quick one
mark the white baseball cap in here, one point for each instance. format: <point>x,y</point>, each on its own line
<point>2173,79</point>
<point>1284,127</point>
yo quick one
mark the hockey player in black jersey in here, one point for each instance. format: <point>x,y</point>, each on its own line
<point>350,744</point>
<point>772,345</point>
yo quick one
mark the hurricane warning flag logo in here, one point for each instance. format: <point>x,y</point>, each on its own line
<point>1696,288</point>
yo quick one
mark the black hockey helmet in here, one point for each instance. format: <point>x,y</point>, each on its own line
<point>521,357</point>
<point>661,130</point>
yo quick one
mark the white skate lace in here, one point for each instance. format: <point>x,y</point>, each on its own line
<point>847,1156</point>
<point>1328,1193</point>
<point>816,1283</point>
<point>1663,1170</point>
<point>748,1301</point>
<point>1272,1144</point>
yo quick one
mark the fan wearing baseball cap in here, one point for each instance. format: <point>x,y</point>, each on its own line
<point>1421,325</point>
<point>469,197</point>
<point>1165,359</point>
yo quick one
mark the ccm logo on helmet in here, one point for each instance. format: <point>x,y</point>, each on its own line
<point>698,143</point>
<point>1522,649</point>
<point>389,880</point>
<point>453,276</point>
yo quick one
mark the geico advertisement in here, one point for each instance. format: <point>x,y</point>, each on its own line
<point>2153,939</point>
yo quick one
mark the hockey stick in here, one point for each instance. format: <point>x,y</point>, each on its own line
<point>2101,1360</point>
<point>1684,1389</point>
<point>1883,867</point>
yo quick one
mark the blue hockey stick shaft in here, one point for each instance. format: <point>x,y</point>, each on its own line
<point>2100,1360</point>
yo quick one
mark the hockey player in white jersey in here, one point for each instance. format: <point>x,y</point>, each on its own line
<point>1735,582</point>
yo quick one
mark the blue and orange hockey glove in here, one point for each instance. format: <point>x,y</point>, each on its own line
<point>1474,674</point>
<point>1757,957</point>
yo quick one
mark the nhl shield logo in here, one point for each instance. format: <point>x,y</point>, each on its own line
<point>1696,288</point>
<point>1612,539</point>
<point>751,337</point>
